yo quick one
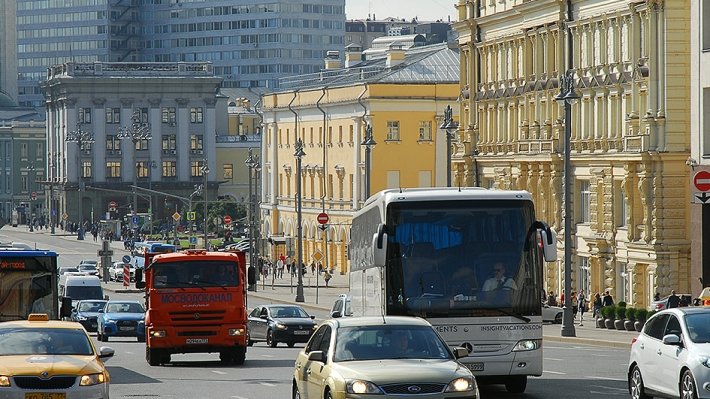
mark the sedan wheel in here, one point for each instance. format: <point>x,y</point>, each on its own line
<point>636,387</point>
<point>687,386</point>
<point>270,339</point>
<point>104,337</point>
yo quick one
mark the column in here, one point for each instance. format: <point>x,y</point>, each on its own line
<point>128,168</point>
<point>98,123</point>
<point>209,138</point>
<point>183,139</point>
<point>273,130</point>
<point>71,150</point>
<point>358,178</point>
<point>156,143</point>
<point>661,41</point>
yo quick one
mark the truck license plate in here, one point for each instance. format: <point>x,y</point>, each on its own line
<point>196,340</point>
<point>474,366</point>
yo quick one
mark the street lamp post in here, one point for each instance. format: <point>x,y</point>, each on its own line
<point>30,169</point>
<point>81,138</point>
<point>136,132</point>
<point>249,162</point>
<point>450,126</point>
<point>150,166</point>
<point>369,143</point>
<point>568,96</point>
<point>299,247</point>
<point>205,171</point>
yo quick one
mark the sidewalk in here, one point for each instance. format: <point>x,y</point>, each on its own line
<point>322,298</point>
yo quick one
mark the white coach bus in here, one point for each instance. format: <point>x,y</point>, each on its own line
<point>469,260</point>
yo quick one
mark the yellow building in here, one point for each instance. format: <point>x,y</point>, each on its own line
<point>629,140</point>
<point>401,95</point>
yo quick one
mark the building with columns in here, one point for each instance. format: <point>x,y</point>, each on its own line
<point>175,102</point>
<point>401,95</point>
<point>630,135</point>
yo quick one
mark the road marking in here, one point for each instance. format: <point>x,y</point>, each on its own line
<point>268,384</point>
<point>554,372</point>
<point>552,358</point>
<point>239,397</point>
<point>219,372</point>
<point>607,379</point>
<point>267,356</point>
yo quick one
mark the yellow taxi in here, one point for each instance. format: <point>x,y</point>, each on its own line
<point>49,359</point>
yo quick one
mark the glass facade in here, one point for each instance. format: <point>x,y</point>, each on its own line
<point>250,45</point>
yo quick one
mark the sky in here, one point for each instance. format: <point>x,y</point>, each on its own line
<point>425,10</point>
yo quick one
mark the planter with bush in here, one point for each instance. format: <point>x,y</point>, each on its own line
<point>630,319</point>
<point>620,316</point>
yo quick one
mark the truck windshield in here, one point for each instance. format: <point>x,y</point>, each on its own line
<point>184,274</point>
<point>463,258</point>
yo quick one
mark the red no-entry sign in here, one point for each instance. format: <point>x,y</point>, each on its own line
<point>227,219</point>
<point>323,218</point>
<point>112,204</point>
<point>701,180</point>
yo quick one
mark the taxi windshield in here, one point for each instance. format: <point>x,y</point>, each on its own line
<point>44,341</point>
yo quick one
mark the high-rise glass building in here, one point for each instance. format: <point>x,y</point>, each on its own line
<point>251,44</point>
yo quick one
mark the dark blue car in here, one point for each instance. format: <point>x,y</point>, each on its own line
<point>86,312</point>
<point>122,319</point>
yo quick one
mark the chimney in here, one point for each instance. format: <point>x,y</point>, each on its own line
<point>395,55</point>
<point>332,60</point>
<point>353,55</point>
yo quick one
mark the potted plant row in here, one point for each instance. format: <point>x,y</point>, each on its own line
<point>621,318</point>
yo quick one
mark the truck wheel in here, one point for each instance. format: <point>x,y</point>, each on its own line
<point>270,339</point>
<point>141,338</point>
<point>516,384</point>
<point>225,356</point>
<point>239,354</point>
<point>154,357</point>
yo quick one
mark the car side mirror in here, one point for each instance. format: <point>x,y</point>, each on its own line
<point>671,339</point>
<point>460,352</point>
<point>105,352</point>
<point>313,317</point>
<point>317,356</point>
<point>66,308</point>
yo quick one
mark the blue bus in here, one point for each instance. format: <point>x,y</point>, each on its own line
<point>151,247</point>
<point>29,284</point>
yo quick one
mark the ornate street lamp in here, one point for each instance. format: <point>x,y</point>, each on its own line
<point>450,126</point>
<point>81,138</point>
<point>369,143</point>
<point>568,96</point>
<point>250,163</point>
<point>136,132</point>
<point>205,171</point>
<point>30,169</point>
<point>299,247</point>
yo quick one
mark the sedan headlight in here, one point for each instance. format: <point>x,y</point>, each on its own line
<point>462,384</point>
<point>362,386</point>
<point>92,379</point>
<point>4,381</point>
<point>281,326</point>
<point>527,345</point>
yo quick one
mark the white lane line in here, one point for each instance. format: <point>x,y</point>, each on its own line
<point>554,372</point>
<point>219,372</point>
<point>239,397</point>
<point>267,356</point>
<point>552,358</point>
<point>607,378</point>
<point>268,384</point>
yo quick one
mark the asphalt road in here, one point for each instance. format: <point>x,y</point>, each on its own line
<point>570,370</point>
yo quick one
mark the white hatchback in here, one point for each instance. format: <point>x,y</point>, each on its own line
<point>671,356</point>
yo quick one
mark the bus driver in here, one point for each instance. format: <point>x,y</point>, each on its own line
<point>499,281</point>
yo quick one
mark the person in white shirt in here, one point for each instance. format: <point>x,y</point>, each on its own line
<point>499,281</point>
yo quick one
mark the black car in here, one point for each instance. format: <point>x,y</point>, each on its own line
<point>280,323</point>
<point>86,313</point>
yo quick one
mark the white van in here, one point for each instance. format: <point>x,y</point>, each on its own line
<point>79,286</point>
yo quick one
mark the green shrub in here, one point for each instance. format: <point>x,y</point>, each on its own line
<point>609,312</point>
<point>641,314</point>
<point>621,312</point>
<point>631,314</point>
<point>621,304</point>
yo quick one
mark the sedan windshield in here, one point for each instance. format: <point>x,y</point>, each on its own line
<point>284,312</point>
<point>698,327</point>
<point>44,341</point>
<point>388,342</point>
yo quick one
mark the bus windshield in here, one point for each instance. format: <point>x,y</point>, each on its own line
<point>463,258</point>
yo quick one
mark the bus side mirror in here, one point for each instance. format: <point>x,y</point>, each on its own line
<point>66,308</point>
<point>379,246</point>
<point>549,244</point>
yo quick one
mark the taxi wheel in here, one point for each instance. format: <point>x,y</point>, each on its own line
<point>270,339</point>
<point>328,395</point>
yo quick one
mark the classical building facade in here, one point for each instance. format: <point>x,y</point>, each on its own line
<point>176,103</point>
<point>630,131</point>
<point>401,96</point>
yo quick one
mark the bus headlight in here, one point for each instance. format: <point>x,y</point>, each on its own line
<point>527,345</point>
<point>235,331</point>
<point>461,385</point>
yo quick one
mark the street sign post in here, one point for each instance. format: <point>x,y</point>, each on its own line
<point>323,218</point>
<point>34,196</point>
<point>105,253</point>
<point>227,219</point>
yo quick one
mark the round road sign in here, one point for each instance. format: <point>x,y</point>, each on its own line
<point>323,218</point>
<point>227,219</point>
<point>112,204</point>
<point>701,180</point>
<point>34,195</point>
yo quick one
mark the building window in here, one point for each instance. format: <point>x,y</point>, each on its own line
<point>169,143</point>
<point>86,169</point>
<point>113,115</point>
<point>584,201</point>
<point>393,130</point>
<point>24,183</point>
<point>142,114</point>
<point>142,145</point>
<point>393,179</point>
<point>623,287</point>
<point>424,178</point>
<point>584,281</point>
<point>196,142</point>
<point>40,150</point>
<point>23,150</point>
<point>425,131</point>
<point>196,168</point>
<point>196,115</point>
<point>113,143</point>
<point>169,168</point>
<point>227,171</point>
<point>142,169</point>
<point>621,205</point>
<point>705,21</point>
<point>167,115</point>
<point>113,169</point>
<point>85,115</point>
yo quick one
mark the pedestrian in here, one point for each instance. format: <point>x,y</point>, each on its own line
<point>597,305</point>
<point>575,304</point>
<point>657,297</point>
<point>607,300</point>
<point>326,277</point>
<point>581,305</point>
<point>551,299</point>
<point>673,300</point>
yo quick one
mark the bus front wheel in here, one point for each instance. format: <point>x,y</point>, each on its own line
<point>516,383</point>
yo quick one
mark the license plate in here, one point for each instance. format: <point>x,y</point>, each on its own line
<point>127,328</point>
<point>474,366</point>
<point>301,332</point>
<point>42,395</point>
<point>196,341</point>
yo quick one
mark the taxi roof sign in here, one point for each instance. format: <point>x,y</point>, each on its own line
<point>38,317</point>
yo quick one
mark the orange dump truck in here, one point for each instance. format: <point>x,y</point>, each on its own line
<point>195,303</point>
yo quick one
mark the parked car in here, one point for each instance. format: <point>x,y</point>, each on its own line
<point>341,307</point>
<point>685,300</point>
<point>87,312</point>
<point>280,323</point>
<point>552,314</point>
<point>382,357</point>
<point>58,356</point>
<point>115,272</point>
<point>671,356</point>
<point>122,319</point>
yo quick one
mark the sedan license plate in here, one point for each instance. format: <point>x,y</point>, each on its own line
<point>196,341</point>
<point>42,395</point>
<point>301,332</point>
<point>474,366</point>
<point>127,328</point>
